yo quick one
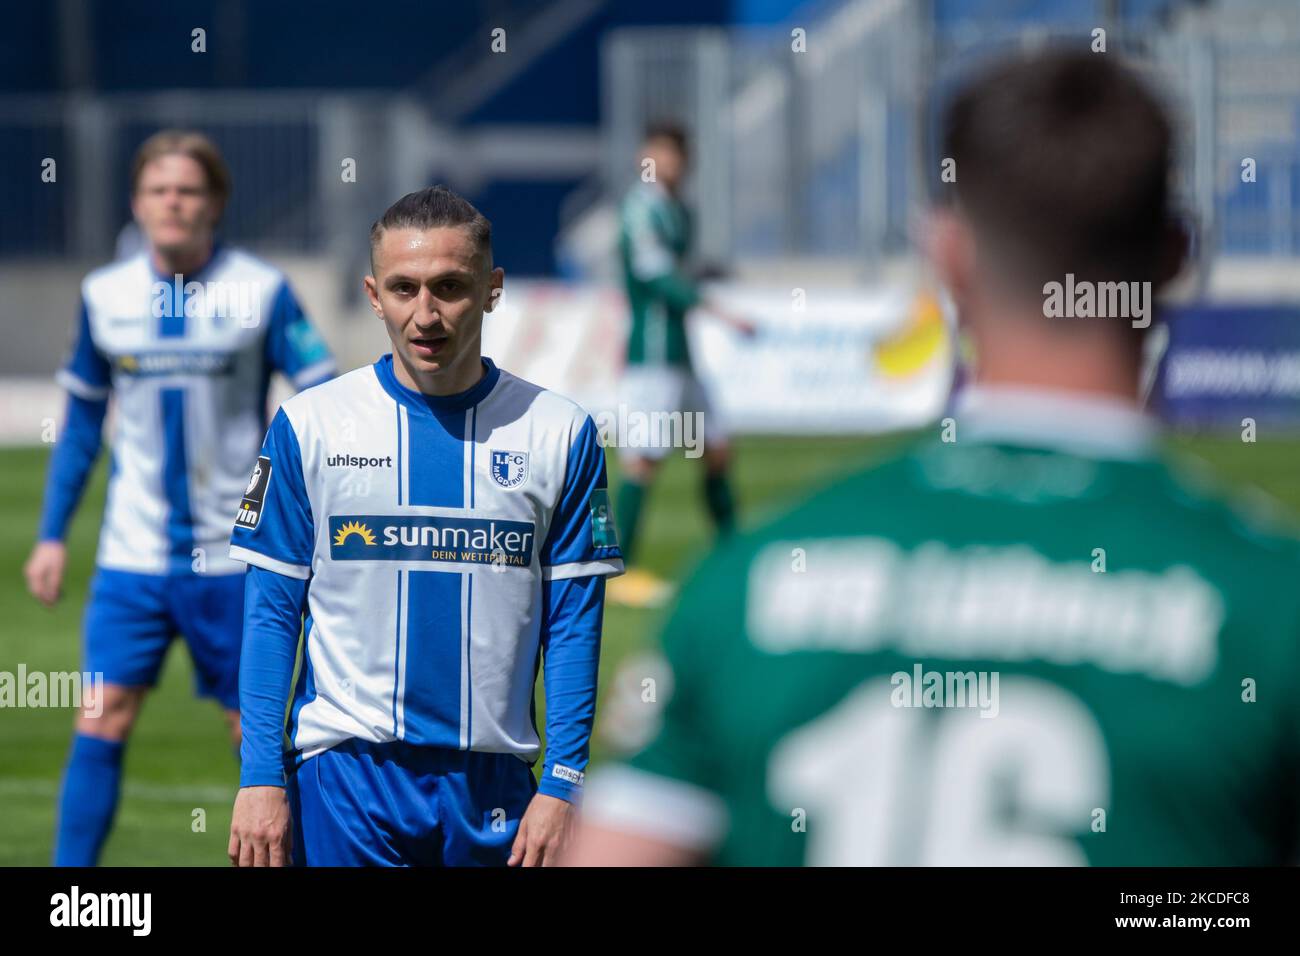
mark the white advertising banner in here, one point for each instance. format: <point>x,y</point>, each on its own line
<point>851,360</point>
<point>847,361</point>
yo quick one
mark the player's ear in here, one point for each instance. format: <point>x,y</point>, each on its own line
<point>216,209</point>
<point>372,293</point>
<point>949,245</point>
<point>495,287</point>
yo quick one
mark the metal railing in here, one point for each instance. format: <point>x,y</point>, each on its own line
<point>821,153</point>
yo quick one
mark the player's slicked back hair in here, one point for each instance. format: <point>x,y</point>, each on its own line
<point>187,143</point>
<point>1062,165</point>
<point>432,208</point>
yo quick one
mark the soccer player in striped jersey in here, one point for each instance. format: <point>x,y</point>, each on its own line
<point>1037,643</point>
<point>659,378</point>
<point>445,528</point>
<point>184,336</point>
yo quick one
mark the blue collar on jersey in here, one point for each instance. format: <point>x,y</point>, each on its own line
<point>419,402</point>
<point>218,249</point>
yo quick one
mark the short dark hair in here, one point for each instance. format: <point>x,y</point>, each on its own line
<point>1062,164</point>
<point>431,208</point>
<point>670,130</point>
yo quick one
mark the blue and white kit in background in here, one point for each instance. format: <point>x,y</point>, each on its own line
<point>440,547</point>
<point>188,364</point>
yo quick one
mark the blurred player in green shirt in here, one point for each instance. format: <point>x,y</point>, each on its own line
<point>659,379</point>
<point>1026,640</point>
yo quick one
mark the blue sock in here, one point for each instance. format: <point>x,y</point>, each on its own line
<point>88,801</point>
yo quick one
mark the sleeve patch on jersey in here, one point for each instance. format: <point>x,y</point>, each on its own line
<point>307,343</point>
<point>250,509</point>
<point>603,534</point>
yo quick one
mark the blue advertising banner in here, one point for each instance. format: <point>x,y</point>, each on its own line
<point>1228,362</point>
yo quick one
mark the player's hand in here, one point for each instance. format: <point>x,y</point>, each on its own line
<point>261,833</point>
<point>543,832</point>
<point>44,571</point>
<point>739,324</point>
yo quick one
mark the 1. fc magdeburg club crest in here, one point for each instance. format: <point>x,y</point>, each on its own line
<point>509,468</point>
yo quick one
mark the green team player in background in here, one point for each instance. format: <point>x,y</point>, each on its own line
<point>654,245</point>
<point>1036,644</point>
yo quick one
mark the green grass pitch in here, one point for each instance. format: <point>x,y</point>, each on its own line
<point>179,760</point>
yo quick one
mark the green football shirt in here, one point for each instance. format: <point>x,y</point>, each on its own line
<point>1037,644</point>
<point>654,240</point>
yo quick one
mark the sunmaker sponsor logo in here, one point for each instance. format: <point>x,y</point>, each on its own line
<point>437,538</point>
<point>185,362</point>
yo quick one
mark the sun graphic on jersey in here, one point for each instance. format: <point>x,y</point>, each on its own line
<point>354,527</point>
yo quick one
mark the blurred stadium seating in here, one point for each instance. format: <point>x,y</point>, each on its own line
<point>809,167</point>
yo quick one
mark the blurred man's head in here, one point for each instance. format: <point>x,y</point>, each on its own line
<point>431,282</point>
<point>1062,167</point>
<point>179,188</point>
<point>665,144</point>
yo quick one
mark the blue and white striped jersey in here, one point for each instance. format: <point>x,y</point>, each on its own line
<point>426,527</point>
<point>188,361</point>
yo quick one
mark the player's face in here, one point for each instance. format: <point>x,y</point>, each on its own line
<point>669,162</point>
<point>173,206</point>
<point>431,288</point>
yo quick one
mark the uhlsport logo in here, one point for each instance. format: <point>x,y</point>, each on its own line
<point>440,538</point>
<point>509,468</point>
<point>359,461</point>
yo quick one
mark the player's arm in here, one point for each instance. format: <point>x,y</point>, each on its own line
<point>596,845</point>
<point>293,345</point>
<point>261,828</point>
<point>654,264</point>
<point>274,535</point>
<point>599,844</point>
<point>578,553</point>
<point>663,807</point>
<point>87,379</point>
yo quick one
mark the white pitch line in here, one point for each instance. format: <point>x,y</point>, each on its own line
<point>163,793</point>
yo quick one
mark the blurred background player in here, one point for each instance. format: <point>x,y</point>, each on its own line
<point>1110,620</point>
<point>184,335</point>
<point>654,245</point>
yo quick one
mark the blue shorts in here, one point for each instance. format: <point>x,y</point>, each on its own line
<point>131,619</point>
<point>398,804</point>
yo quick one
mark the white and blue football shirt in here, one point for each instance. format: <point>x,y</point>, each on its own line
<point>426,527</point>
<point>189,362</point>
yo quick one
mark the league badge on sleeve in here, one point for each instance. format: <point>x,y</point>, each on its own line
<point>603,534</point>
<point>509,468</point>
<point>250,509</point>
